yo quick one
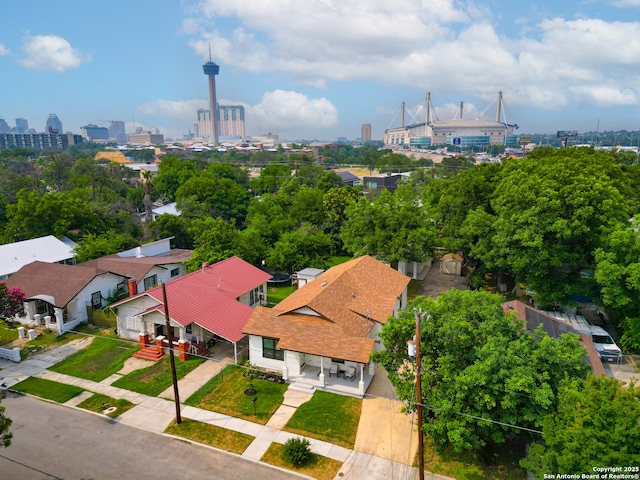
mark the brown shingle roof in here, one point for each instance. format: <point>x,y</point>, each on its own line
<point>62,282</point>
<point>347,299</point>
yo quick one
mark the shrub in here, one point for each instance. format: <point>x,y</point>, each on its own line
<point>297,451</point>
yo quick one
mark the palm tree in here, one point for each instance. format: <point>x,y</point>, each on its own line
<point>148,187</point>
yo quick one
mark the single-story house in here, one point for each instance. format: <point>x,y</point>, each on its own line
<point>213,302</point>
<point>14,256</point>
<point>349,178</point>
<point>554,328</point>
<point>323,334</point>
<point>60,296</point>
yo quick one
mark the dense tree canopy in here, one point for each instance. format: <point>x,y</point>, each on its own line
<point>392,227</point>
<point>597,425</point>
<point>478,363</point>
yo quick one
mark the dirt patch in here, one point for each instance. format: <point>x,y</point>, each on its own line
<point>436,283</point>
<point>132,364</point>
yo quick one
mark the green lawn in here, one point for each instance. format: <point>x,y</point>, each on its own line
<point>211,435</point>
<point>40,387</point>
<point>276,294</point>
<point>227,396</point>
<point>7,334</point>
<point>103,357</point>
<point>329,417</point>
<point>322,468</point>
<point>99,403</point>
<point>155,379</point>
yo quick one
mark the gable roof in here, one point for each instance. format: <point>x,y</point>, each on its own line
<point>137,267</point>
<point>14,256</point>
<point>554,328</point>
<point>208,297</point>
<point>59,282</point>
<point>332,315</point>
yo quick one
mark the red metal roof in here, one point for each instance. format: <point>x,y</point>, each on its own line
<point>208,297</point>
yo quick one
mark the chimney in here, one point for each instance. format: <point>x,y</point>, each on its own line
<point>133,287</point>
<point>204,265</point>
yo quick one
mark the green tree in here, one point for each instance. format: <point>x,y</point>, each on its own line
<point>214,239</point>
<point>392,227</point>
<point>597,425</point>
<point>551,211</point>
<point>95,246</point>
<point>167,225</point>
<point>308,246</point>
<point>172,173</point>
<point>206,195</point>
<point>5,424</point>
<point>618,275</point>
<point>271,178</point>
<point>480,366</point>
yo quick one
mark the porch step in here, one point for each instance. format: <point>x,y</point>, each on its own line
<point>149,353</point>
<point>302,387</point>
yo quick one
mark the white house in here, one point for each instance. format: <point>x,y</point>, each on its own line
<point>323,334</point>
<point>14,256</point>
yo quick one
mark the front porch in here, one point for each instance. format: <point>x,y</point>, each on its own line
<point>313,378</point>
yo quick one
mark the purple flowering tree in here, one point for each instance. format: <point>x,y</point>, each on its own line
<point>11,302</point>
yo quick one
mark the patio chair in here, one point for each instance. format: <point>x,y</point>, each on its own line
<point>350,373</point>
<point>333,369</point>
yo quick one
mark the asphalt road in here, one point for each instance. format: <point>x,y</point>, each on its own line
<point>55,442</point>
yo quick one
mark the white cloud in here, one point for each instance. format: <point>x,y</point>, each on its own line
<point>440,46</point>
<point>4,50</point>
<point>286,111</point>
<point>626,3</point>
<point>50,52</point>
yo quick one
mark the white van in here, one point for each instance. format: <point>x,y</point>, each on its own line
<point>606,347</point>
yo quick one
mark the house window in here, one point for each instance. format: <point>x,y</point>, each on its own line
<point>96,300</point>
<point>189,329</point>
<point>150,282</point>
<point>42,307</point>
<point>175,272</point>
<point>337,360</point>
<point>270,349</point>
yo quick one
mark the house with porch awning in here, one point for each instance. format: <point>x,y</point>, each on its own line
<point>323,334</point>
<point>208,305</point>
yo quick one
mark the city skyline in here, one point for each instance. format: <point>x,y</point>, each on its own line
<point>322,69</point>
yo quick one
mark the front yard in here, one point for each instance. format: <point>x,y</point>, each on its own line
<point>225,393</point>
<point>43,388</point>
<point>156,379</point>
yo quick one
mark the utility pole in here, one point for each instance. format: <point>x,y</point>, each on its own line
<point>419,400</point>
<point>174,376</point>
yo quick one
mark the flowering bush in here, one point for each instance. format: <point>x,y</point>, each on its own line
<point>11,301</point>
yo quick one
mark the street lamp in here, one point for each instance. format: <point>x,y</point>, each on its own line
<point>413,348</point>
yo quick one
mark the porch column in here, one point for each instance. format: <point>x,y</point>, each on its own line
<point>144,335</point>
<point>361,383</point>
<point>182,350</point>
<point>235,352</point>
<point>183,332</point>
<point>60,319</point>
<point>321,376</point>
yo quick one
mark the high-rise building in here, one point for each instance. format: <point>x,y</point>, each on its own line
<point>54,125</point>
<point>211,70</point>
<point>4,126</point>
<point>366,133</point>
<point>230,120</point>
<point>94,133</point>
<point>117,131</point>
<point>145,138</point>
<point>22,125</point>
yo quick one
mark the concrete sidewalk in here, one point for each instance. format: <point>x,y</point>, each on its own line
<point>155,414</point>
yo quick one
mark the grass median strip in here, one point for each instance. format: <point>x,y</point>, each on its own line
<point>211,435</point>
<point>103,357</point>
<point>43,388</point>
<point>99,403</point>
<point>322,468</point>
<point>156,379</point>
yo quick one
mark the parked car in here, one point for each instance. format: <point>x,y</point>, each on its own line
<point>606,347</point>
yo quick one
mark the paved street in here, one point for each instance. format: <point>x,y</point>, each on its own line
<point>52,441</point>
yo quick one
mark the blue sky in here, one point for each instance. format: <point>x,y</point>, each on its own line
<point>318,69</point>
